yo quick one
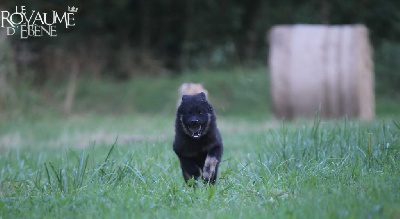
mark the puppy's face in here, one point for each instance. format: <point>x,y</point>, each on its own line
<point>195,115</point>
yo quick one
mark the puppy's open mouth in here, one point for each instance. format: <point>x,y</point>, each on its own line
<point>195,131</point>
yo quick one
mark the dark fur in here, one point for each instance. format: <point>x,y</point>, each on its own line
<point>197,143</point>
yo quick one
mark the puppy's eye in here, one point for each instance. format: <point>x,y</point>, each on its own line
<point>200,113</point>
<point>189,113</point>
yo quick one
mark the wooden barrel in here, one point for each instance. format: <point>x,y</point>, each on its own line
<point>320,67</point>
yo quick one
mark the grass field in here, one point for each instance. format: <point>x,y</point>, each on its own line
<point>121,165</point>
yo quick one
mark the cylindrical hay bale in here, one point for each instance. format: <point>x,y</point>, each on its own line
<point>319,67</point>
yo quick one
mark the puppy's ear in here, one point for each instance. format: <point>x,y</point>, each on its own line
<point>184,97</point>
<point>203,95</point>
<point>210,108</point>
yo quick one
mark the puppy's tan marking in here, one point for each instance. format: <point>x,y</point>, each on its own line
<point>209,167</point>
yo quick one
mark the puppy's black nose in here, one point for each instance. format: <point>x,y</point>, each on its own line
<point>194,122</point>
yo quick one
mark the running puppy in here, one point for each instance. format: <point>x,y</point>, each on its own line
<point>197,143</point>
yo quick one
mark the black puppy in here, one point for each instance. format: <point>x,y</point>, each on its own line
<point>198,142</point>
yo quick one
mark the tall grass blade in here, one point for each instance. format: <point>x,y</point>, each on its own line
<point>111,149</point>
<point>397,125</point>
<point>58,176</point>
<point>63,176</point>
<point>74,153</point>
<point>47,173</point>
<point>81,170</point>
<point>316,134</point>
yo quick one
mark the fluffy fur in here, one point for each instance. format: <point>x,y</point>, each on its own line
<point>197,143</point>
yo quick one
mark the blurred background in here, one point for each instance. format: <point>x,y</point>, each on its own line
<point>128,56</point>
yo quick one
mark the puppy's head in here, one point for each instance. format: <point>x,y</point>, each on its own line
<point>195,115</point>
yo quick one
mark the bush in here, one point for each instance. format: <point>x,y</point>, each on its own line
<point>387,69</point>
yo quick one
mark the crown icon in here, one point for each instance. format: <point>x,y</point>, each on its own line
<point>72,9</point>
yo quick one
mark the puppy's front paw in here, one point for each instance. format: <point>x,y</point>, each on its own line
<point>207,176</point>
<point>209,168</point>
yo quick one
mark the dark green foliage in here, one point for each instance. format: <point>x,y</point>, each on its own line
<point>387,57</point>
<point>182,35</point>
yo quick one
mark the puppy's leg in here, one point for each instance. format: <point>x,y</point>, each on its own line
<point>211,163</point>
<point>189,169</point>
<point>210,169</point>
<point>213,179</point>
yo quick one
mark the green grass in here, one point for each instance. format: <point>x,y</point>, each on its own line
<point>53,166</point>
<point>303,169</point>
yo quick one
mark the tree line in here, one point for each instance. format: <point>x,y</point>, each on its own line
<point>124,38</point>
